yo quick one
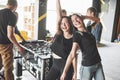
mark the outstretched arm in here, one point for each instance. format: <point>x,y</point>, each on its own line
<point>59,14</point>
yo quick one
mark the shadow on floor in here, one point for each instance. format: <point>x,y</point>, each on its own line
<point>101,45</point>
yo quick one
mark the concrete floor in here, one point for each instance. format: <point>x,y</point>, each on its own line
<point>110,54</point>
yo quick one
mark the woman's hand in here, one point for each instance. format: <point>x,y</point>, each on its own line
<point>74,76</point>
<point>63,76</point>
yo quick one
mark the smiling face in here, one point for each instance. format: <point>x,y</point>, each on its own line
<point>65,26</point>
<point>77,21</point>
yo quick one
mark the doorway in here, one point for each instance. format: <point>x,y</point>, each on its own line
<point>116,29</point>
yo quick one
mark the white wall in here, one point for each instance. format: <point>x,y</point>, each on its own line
<point>108,20</point>
<point>72,6</point>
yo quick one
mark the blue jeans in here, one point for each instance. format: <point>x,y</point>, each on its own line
<point>97,31</point>
<point>88,72</point>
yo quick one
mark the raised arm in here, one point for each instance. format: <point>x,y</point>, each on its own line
<point>59,14</point>
<point>96,19</point>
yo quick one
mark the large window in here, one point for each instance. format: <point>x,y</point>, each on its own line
<point>3,4</point>
<point>71,6</point>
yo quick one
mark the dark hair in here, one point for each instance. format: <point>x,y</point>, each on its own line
<point>64,11</point>
<point>12,2</point>
<point>70,23</point>
<point>93,9</point>
<point>80,16</point>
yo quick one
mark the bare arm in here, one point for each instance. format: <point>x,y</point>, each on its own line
<point>11,37</point>
<point>74,63</point>
<point>96,19</point>
<point>59,14</point>
<point>70,58</point>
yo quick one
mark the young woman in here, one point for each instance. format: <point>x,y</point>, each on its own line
<point>61,47</point>
<point>91,62</point>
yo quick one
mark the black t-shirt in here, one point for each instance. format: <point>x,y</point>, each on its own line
<point>6,18</point>
<point>87,43</point>
<point>62,46</point>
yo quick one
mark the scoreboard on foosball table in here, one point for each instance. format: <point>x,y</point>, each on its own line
<point>37,59</point>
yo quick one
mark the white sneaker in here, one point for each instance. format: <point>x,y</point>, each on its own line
<point>2,74</point>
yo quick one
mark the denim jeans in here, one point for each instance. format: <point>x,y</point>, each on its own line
<point>97,31</point>
<point>94,71</point>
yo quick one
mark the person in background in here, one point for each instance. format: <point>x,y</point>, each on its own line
<point>64,12</point>
<point>118,37</point>
<point>61,47</point>
<point>7,39</point>
<point>95,29</point>
<point>91,61</point>
<point>117,40</point>
<point>19,34</point>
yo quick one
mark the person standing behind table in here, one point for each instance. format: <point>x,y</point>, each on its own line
<point>19,34</point>
<point>91,61</point>
<point>62,44</point>
<point>7,38</point>
<point>95,29</point>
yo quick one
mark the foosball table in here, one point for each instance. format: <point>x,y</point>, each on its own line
<point>37,59</point>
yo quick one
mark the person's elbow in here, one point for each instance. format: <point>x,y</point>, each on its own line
<point>72,55</point>
<point>10,36</point>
